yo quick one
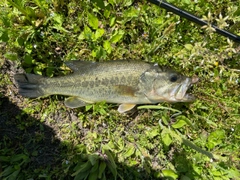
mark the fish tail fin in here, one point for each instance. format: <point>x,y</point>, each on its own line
<point>29,85</point>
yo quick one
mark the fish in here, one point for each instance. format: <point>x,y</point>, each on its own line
<point>124,82</point>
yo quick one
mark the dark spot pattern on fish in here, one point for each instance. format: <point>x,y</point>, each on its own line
<point>123,80</point>
<point>91,83</point>
<point>112,80</point>
<point>97,83</point>
<point>129,79</point>
<point>116,80</point>
<point>105,81</point>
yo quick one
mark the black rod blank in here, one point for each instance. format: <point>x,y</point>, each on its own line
<point>193,18</point>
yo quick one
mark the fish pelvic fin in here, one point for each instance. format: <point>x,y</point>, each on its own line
<point>75,102</point>
<point>125,107</point>
<point>29,85</point>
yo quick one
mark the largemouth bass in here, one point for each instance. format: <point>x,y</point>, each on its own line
<point>124,82</point>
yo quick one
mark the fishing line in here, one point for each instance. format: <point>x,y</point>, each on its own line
<point>193,18</point>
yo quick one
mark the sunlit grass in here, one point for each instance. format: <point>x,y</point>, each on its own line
<point>176,141</point>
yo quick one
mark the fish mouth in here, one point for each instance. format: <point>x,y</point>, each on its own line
<point>181,93</point>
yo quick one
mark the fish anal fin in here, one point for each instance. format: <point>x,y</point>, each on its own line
<point>125,90</point>
<point>125,107</point>
<point>75,102</point>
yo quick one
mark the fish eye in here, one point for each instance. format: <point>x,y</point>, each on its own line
<point>173,78</point>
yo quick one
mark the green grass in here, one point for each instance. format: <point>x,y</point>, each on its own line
<point>42,139</point>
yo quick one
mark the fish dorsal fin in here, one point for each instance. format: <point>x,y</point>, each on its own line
<point>125,107</point>
<point>81,66</point>
<point>75,102</point>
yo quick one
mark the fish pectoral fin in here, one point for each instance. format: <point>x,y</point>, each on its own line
<point>74,102</point>
<point>125,90</point>
<point>125,107</point>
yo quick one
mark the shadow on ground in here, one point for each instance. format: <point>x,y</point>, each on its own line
<point>25,142</point>
<point>29,147</point>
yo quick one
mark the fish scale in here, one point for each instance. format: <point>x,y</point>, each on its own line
<point>87,85</point>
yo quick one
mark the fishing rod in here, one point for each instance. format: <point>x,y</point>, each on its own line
<point>193,18</point>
